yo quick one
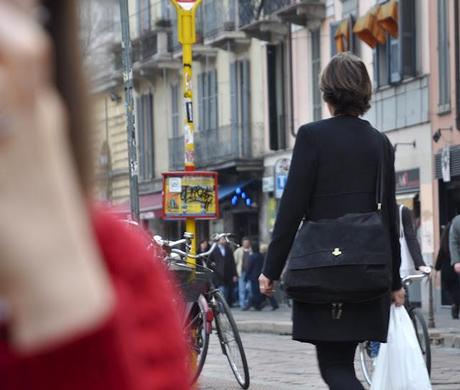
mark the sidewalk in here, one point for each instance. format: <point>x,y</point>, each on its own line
<point>446,333</point>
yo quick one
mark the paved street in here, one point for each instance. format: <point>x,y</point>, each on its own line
<point>278,363</point>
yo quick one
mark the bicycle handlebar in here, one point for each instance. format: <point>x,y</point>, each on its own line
<point>410,278</point>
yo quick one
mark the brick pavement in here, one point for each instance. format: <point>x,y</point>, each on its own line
<point>278,363</point>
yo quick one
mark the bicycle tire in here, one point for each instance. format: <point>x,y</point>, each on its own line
<point>367,363</point>
<point>199,345</point>
<point>423,337</point>
<point>222,315</point>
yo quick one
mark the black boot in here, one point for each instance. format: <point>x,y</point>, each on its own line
<point>454,311</point>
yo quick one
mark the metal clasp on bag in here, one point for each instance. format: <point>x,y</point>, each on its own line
<point>337,310</point>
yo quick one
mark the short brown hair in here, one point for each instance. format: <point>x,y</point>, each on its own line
<point>346,85</point>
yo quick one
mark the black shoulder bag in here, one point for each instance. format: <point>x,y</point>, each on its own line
<point>343,260</point>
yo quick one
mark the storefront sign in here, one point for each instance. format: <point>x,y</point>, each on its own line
<point>445,164</point>
<point>190,195</point>
<point>281,175</point>
<point>408,181</point>
<point>268,184</point>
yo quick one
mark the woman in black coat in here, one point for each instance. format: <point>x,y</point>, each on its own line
<point>334,172</point>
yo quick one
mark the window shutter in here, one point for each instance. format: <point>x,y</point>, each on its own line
<point>234,96</point>
<point>443,56</point>
<point>407,38</point>
<point>245,107</point>
<point>201,102</point>
<point>150,151</point>
<point>213,100</point>
<point>316,69</point>
<point>333,30</point>
<point>395,60</point>
<point>140,137</point>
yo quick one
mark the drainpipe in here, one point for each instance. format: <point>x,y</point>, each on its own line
<point>457,64</point>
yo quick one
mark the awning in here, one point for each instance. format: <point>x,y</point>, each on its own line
<point>150,207</point>
<point>225,190</point>
<point>342,36</point>
<point>368,30</point>
<point>387,17</point>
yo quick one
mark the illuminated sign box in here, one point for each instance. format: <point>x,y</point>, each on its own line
<point>190,195</point>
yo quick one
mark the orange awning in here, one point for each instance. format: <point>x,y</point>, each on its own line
<point>342,36</point>
<point>368,30</point>
<point>387,17</point>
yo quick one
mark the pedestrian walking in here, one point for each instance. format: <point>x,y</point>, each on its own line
<point>87,305</point>
<point>450,280</point>
<point>224,269</point>
<point>254,269</point>
<point>341,168</point>
<point>241,255</point>
<point>411,254</point>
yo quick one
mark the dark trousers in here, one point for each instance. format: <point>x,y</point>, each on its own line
<point>336,364</point>
<point>255,297</point>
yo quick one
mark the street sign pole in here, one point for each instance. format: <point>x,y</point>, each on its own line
<point>129,106</point>
<point>186,12</point>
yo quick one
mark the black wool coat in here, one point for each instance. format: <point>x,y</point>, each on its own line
<point>224,266</point>
<point>334,172</point>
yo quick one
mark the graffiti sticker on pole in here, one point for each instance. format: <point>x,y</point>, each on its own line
<point>190,195</point>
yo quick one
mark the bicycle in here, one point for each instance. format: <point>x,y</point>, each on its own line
<point>205,305</point>
<point>368,350</point>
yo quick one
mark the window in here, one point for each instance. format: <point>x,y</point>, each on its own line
<point>443,57</point>
<point>342,37</point>
<point>143,16</point>
<point>276,96</point>
<point>240,104</point>
<point>208,101</point>
<point>145,136</point>
<point>316,70</point>
<point>175,114</point>
<point>396,59</point>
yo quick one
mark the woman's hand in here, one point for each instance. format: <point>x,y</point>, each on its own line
<point>425,269</point>
<point>457,267</point>
<point>399,297</point>
<point>265,285</point>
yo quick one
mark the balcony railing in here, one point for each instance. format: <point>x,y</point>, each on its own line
<point>253,10</point>
<point>212,147</point>
<point>151,17</point>
<point>219,15</point>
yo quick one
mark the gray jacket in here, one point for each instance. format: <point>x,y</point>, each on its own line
<point>454,241</point>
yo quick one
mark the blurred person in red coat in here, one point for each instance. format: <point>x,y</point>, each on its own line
<point>84,304</point>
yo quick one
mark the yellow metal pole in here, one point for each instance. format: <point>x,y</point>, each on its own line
<point>186,12</point>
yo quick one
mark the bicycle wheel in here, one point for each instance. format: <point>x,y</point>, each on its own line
<point>198,336</point>
<point>367,360</point>
<point>230,340</point>
<point>421,330</point>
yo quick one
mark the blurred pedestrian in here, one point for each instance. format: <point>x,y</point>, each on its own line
<point>224,269</point>
<point>334,173</point>
<point>204,246</point>
<point>253,270</point>
<point>80,287</point>
<point>450,280</point>
<point>241,255</point>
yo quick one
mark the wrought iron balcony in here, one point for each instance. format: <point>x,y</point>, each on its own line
<point>265,18</point>
<point>220,25</point>
<point>219,148</point>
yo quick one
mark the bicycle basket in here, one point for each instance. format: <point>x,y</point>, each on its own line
<point>191,281</point>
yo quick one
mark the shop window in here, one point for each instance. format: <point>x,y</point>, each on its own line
<point>276,96</point>
<point>396,59</point>
<point>145,136</point>
<point>208,101</point>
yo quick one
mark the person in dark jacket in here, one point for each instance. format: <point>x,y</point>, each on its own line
<point>224,269</point>
<point>449,278</point>
<point>333,172</point>
<point>253,270</point>
<point>410,236</point>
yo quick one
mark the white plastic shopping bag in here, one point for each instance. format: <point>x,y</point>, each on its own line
<point>400,364</point>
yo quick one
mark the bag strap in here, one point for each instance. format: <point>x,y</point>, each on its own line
<point>380,175</point>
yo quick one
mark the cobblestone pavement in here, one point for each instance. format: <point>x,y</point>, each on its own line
<point>278,363</point>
